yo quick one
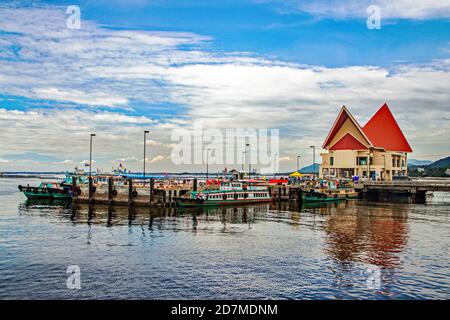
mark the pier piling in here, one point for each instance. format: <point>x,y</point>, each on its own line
<point>110,190</point>
<point>194,187</point>
<point>130,191</point>
<point>91,190</point>
<point>152,187</point>
<point>74,187</point>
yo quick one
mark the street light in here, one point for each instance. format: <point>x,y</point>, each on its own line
<point>298,167</point>
<point>249,166</point>
<point>314,161</point>
<point>90,154</point>
<point>207,165</point>
<point>275,171</point>
<point>145,143</point>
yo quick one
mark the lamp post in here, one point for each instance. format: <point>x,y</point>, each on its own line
<point>243,161</point>
<point>275,171</point>
<point>207,165</point>
<point>368,162</point>
<point>249,166</point>
<point>298,167</point>
<point>314,161</point>
<point>145,144</point>
<point>90,154</point>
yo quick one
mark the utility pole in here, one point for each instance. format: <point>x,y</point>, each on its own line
<point>207,165</point>
<point>314,161</point>
<point>145,143</point>
<point>248,157</point>
<point>90,154</point>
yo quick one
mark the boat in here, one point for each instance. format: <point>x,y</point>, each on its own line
<point>229,193</point>
<point>46,190</point>
<point>319,196</point>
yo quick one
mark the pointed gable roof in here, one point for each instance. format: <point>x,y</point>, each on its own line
<point>384,132</point>
<point>348,142</point>
<point>342,117</point>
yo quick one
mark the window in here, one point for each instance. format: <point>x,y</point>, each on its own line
<point>362,161</point>
<point>331,161</point>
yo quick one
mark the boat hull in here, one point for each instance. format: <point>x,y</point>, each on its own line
<point>45,193</point>
<point>184,202</point>
<point>33,195</point>
<point>317,199</point>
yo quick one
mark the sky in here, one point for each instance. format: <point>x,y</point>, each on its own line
<point>161,65</point>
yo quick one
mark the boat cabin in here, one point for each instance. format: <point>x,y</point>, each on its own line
<point>229,186</point>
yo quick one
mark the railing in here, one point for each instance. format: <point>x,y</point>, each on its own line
<point>430,185</point>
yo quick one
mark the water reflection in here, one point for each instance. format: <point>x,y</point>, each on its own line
<point>372,235</point>
<point>352,232</point>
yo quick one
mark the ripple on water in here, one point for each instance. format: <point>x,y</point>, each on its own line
<point>321,252</point>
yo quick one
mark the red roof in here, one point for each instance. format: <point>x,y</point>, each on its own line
<point>384,132</point>
<point>348,142</point>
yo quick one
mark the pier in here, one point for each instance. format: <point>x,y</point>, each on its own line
<point>416,190</point>
<point>134,193</point>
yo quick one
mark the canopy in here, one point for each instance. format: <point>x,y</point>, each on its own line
<point>296,174</point>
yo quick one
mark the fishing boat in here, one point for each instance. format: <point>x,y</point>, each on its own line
<point>318,196</point>
<point>229,193</point>
<point>46,190</point>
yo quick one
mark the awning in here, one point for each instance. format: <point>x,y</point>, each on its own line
<point>296,174</point>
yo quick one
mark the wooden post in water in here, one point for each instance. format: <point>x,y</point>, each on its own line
<point>164,198</point>
<point>110,190</point>
<point>299,197</point>
<point>170,198</point>
<point>91,191</point>
<point>194,187</point>
<point>130,191</point>
<point>74,186</point>
<point>152,188</point>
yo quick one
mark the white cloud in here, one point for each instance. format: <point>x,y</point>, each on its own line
<point>403,9</point>
<point>157,159</point>
<point>285,159</point>
<point>80,97</point>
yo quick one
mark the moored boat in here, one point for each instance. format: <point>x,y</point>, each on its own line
<point>317,196</point>
<point>46,190</point>
<point>229,193</point>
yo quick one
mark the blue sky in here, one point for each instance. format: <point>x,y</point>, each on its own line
<point>278,29</point>
<point>163,64</point>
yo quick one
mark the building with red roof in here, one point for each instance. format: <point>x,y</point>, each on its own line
<point>379,150</point>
